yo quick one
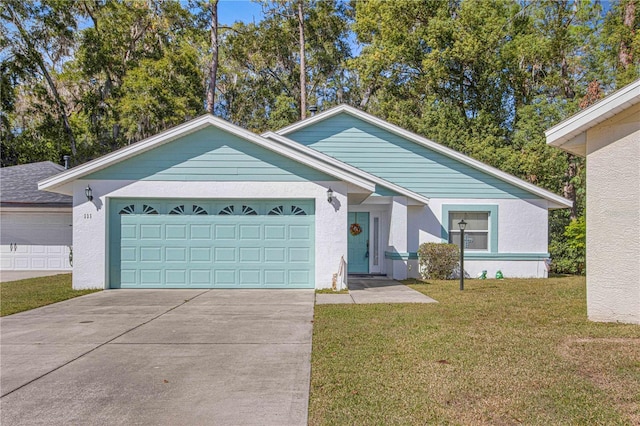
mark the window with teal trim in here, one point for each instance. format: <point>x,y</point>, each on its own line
<point>476,234</point>
<point>481,233</point>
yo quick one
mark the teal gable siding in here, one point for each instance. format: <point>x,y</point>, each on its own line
<point>401,161</point>
<point>210,155</point>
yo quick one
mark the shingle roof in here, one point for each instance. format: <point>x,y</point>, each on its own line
<point>19,186</point>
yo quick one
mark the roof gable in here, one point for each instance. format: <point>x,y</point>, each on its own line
<point>210,154</point>
<point>247,148</point>
<point>407,159</point>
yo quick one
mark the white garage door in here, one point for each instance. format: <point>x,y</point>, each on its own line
<point>35,241</point>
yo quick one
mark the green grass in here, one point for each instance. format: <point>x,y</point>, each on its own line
<point>500,352</point>
<point>22,295</point>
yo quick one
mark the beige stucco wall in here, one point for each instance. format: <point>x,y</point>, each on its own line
<point>613,218</point>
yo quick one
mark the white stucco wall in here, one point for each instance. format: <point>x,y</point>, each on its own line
<point>613,219</point>
<point>90,218</point>
<point>522,228</point>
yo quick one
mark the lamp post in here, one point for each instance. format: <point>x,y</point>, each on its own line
<point>462,224</point>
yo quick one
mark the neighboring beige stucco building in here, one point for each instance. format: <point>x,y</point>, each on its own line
<point>608,135</point>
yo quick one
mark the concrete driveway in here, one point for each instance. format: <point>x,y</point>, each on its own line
<point>160,357</point>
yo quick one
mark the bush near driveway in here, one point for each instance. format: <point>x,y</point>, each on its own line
<point>499,352</point>
<point>23,295</point>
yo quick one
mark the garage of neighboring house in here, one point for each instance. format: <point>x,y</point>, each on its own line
<point>191,243</point>
<point>35,231</point>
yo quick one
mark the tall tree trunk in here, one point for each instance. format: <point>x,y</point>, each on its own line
<point>37,57</point>
<point>626,55</point>
<point>213,66</point>
<point>303,65</point>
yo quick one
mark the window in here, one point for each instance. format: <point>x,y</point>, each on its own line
<point>476,234</point>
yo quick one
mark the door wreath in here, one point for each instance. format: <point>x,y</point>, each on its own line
<point>355,228</point>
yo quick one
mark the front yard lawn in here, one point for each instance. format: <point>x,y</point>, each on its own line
<point>500,352</point>
<point>22,295</point>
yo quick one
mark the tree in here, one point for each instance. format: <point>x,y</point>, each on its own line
<point>621,40</point>
<point>39,35</point>
<point>272,69</point>
<point>213,67</point>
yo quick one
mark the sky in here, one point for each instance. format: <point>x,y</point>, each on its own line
<point>230,11</point>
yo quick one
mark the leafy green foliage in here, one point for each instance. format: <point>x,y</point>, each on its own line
<point>437,260</point>
<point>568,251</point>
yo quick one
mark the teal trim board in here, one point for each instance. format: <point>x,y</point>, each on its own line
<point>210,155</point>
<point>469,255</point>
<point>401,161</point>
<point>400,256</point>
<point>492,209</point>
<point>211,244</point>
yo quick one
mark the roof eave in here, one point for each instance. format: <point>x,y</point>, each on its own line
<point>421,140</point>
<point>569,133</point>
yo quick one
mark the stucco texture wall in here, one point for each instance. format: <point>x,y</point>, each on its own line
<point>522,229</point>
<point>90,224</point>
<point>613,219</point>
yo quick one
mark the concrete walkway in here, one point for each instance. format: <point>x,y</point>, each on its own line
<point>160,357</point>
<point>374,290</point>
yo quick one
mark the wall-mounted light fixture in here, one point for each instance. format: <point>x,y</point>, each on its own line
<point>329,195</point>
<point>89,193</point>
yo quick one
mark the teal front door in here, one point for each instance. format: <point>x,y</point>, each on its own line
<point>358,244</point>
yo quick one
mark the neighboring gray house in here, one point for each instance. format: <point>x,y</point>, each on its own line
<point>608,134</point>
<point>209,204</point>
<point>35,226</point>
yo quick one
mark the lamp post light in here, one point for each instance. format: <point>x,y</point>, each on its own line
<point>462,224</point>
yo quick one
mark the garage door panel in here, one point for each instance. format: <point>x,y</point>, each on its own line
<point>299,277</point>
<point>299,254</point>
<point>208,251</point>
<point>224,277</point>
<point>250,232</point>
<point>150,276</point>
<point>225,232</point>
<point>300,232</point>
<point>176,232</point>
<point>200,232</point>
<point>151,254</point>
<point>175,254</point>
<point>274,277</point>
<point>274,254</point>
<point>249,254</point>
<point>200,254</point>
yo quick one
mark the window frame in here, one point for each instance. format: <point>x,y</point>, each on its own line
<point>491,209</point>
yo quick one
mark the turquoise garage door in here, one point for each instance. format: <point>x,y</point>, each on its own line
<point>211,244</point>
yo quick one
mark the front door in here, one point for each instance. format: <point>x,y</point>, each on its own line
<point>358,243</point>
